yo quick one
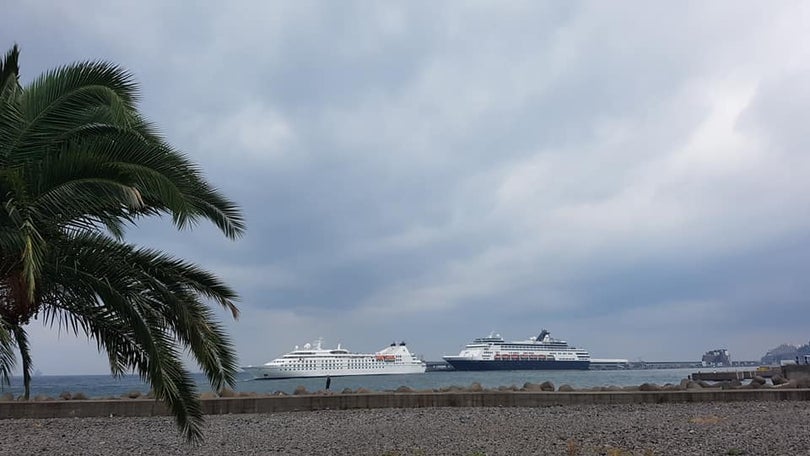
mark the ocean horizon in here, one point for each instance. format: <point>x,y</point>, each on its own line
<point>107,386</point>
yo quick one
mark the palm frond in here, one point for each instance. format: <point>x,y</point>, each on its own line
<point>11,121</point>
<point>142,307</point>
<point>225,214</point>
<point>185,276</point>
<point>21,339</point>
<point>144,348</point>
<point>59,102</point>
<point>7,358</point>
<point>195,327</point>
<point>170,183</point>
<point>32,258</point>
<point>62,83</point>
<point>136,337</point>
<point>10,71</point>
<point>165,181</point>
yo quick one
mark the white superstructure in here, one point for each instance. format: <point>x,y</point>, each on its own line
<point>314,361</point>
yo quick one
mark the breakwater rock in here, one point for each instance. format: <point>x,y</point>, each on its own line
<point>777,382</point>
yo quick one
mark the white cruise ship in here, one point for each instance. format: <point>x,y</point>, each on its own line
<point>314,361</point>
<point>541,352</point>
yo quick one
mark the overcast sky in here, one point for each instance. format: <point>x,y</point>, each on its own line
<point>632,176</point>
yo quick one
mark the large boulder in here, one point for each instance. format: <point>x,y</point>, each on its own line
<point>528,386</point>
<point>300,389</point>
<point>565,388</point>
<point>649,387</point>
<point>778,380</point>
<point>476,387</point>
<point>227,392</point>
<point>803,382</point>
<point>547,386</point>
<point>452,389</point>
<point>795,383</point>
<point>404,389</point>
<point>611,388</point>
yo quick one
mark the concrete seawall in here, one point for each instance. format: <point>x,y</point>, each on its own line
<point>270,404</point>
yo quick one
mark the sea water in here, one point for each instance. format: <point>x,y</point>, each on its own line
<point>105,386</point>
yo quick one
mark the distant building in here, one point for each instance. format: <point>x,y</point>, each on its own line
<point>716,358</point>
<point>780,354</point>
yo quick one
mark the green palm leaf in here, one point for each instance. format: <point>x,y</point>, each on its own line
<point>8,359</point>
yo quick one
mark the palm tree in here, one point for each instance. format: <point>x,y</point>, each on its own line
<point>78,165</point>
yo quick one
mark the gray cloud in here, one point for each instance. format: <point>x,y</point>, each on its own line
<point>631,176</point>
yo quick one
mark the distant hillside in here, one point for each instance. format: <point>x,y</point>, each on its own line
<point>785,352</point>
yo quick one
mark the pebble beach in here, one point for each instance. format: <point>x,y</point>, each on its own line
<point>751,428</point>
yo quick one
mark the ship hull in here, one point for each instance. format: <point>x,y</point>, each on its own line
<point>271,373</point>
<point>315,361</point>
<point>481,365</point>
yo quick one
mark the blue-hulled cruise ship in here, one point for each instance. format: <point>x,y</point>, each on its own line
<point>536,353</point>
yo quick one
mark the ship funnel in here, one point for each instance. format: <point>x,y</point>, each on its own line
<point>543,334</point>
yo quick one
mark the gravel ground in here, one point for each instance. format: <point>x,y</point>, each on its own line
<point>751,428</point>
